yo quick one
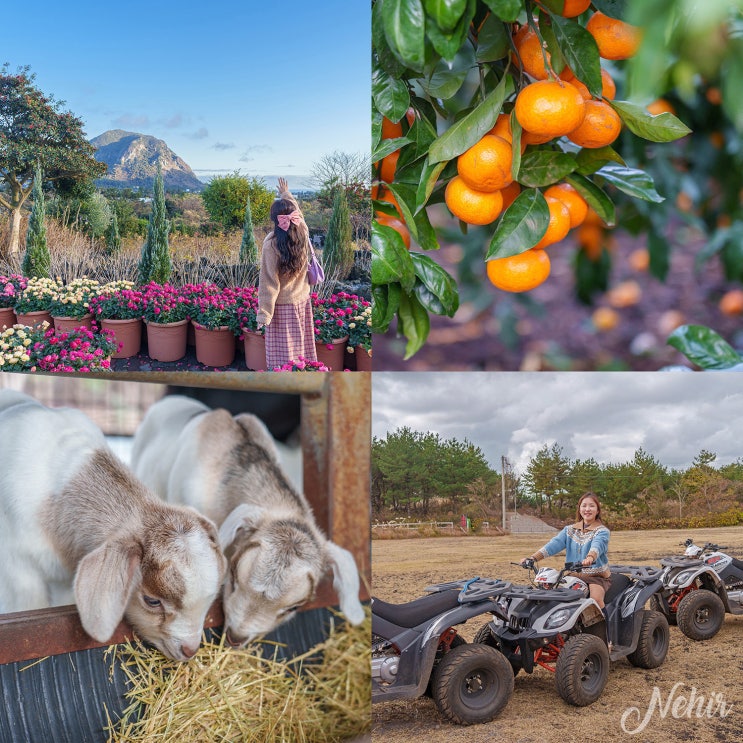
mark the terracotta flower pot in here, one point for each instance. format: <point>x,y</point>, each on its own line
<point>190,334</point>
<point>255,351</point>
<point>34,319</point>
<point>127,332</point>
<point>65,324</point>
<point>167,341</point>
<point>363,359</point>
<point>331,354</point>
<point>214,347</point>
<point>7,317</point>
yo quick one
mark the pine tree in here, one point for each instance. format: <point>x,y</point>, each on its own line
<point>248,248</point>
<point>113,238</point>
<point>338,252</point>
<point>36,261</point>
<point>155,265</point>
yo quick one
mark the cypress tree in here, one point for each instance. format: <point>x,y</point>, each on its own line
<point>36,260</point>
<point>155,265</point>
<point>338,252</point>
<point>248,248</point>
<point>113,238</point>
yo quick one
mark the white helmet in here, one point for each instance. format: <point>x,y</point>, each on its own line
<point>546,577</point>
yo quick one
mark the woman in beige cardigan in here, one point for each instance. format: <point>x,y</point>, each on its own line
<point>284,304</point>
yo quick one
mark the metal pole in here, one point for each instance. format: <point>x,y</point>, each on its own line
<point>503,489</point>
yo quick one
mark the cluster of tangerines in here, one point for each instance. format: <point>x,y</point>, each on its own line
<point>549,107</point>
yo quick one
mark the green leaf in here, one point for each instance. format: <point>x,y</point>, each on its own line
<point>516,132</point>
<point>382,55</point>
<point>664,127</point>
<point>595,197</point>
<point>439,286</point>
<point>521,227</point>
<point>544,167</point>
<point>471,129</point>
<point>580,51</point>
<point>447,77</point>
<point>591,159</point>
<point>405,195</point>
<point>388,146</point>
<point>612,8</point>
<point>636,183</point>
<point>660,254</point>
<point>413,323</point>
<point>376,129</point>
<point>445,13</point>
<point>448,44</point>
<point>557,59</point>
<point>732,91</point>
<point>405,31</point>
<point>391,260</point>
<point>492,40</point>
<point>704,347</point>
<point>431,173</point>
<point>391,95</point>
<point>556,6</point>
<point>506,10</point>
<point>427,237</point>
<point>385,302</point>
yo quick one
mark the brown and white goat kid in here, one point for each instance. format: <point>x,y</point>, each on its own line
<point>75,522</point>
<point>227,468</point>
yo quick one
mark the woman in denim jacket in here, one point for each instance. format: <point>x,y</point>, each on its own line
<point>587,542</point>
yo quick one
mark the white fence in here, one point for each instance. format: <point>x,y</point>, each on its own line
<point>414,525</point>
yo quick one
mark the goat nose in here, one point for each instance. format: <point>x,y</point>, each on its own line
<point>189,651</point>
<point>235,642</point>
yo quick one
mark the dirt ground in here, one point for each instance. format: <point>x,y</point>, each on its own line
<point>554,331</point>
<point>401,569</point>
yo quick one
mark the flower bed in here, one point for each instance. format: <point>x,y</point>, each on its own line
<point>336,317</point>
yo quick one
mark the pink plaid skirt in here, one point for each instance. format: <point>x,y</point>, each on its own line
<point>290,334</point>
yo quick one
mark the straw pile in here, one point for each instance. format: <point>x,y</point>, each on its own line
<point>224,694</point>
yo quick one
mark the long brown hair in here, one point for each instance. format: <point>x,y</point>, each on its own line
<point>291,244</point>
<point>595,499</point>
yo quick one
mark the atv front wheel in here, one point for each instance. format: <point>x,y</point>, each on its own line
<point>472,684</point>
<point>582,670</point>
<point>652,645</point>
<point>700,614</point>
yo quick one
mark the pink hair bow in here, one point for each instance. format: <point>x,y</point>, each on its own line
<point>285,220</point>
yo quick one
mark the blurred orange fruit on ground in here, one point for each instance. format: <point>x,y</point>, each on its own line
<point>639,260</point>
<point>605,318</point>
<point>625,294</point>
<point>731,303</point>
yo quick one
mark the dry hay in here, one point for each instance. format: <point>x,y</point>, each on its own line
<point>224,694</point>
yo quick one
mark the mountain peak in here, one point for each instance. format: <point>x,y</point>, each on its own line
<point>132,160</point>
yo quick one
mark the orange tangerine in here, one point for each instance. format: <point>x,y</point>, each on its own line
<point>576,204</point>
<point>470,205</point>
<point>714,96</point>
<point>608,87</point>
<point>614,38</point>
<point>600,126</point>
<point>731,303</point>
<point>572,8</point>
<point>559,225</point>
<point>486,166</point>
<point>509,194</point>
<point>391,129</point>
<point>388,167</point>
<point>519,273</point>
<point>591,239</point>
<point>550,108</point>
<point>660,106</point>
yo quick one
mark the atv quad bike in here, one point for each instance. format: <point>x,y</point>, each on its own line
<point>416,650</point>
<point>565,631</point>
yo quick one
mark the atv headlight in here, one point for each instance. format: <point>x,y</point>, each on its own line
<point>682,577</point>
<point>558,618</point>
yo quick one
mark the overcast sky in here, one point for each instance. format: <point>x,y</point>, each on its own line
<point>266,88</point>
<point>606,416</point>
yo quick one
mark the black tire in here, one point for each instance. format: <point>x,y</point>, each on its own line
<point>485,637</point>
<point>652,645</point>
<point>472,684</point>
<point>582,670</point>
<point>700,614</point>
<point>657,605</point>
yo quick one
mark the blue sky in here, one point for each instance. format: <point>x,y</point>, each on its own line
<point>263,87</point>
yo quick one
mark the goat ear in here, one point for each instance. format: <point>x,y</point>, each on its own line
<point>245,517</point>
<point>345,581</point>
<point>258,433</point>
<point>104,581</point>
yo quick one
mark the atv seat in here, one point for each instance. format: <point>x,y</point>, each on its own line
<point>680,562</point>
<point>619,582</point>
<point>416,612</point>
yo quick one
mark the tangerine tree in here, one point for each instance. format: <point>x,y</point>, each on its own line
<point>483,105</point>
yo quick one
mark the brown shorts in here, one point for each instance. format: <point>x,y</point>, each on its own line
<point>597,580</point>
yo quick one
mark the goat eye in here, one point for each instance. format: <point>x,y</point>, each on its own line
<point>151,602</point>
